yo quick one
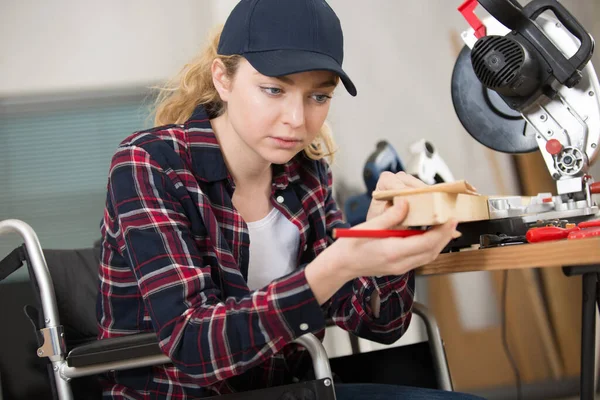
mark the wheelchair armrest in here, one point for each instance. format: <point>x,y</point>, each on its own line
<point>114,350</point>
<point>139,350</point>
<point>318,354</point>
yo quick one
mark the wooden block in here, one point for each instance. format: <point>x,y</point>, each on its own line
<point>437,208</point>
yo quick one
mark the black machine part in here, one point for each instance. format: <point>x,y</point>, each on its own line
<point>505,66</point>
<point>522,65</point>
<point>484,114</point>
<point>521,20</point>
<point>489,240</point>
<point>512,72</point>
<point>472,231</point>
<point>508,228</point>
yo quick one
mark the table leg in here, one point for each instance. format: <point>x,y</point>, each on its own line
<point>588,329</point>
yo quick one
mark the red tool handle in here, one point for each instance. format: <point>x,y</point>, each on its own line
<point>548,233</point>
<point>585,233</point>
<point>589,224</point>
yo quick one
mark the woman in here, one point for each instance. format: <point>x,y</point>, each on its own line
<point>218,222</point>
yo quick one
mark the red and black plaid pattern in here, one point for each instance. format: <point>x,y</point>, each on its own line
<point>175,260</point>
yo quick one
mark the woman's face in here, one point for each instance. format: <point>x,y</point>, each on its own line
<point>278,117</point>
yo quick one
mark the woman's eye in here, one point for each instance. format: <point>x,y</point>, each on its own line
<point>321,98</point>
<point>273,91</point>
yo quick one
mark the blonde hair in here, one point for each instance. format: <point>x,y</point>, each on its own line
<point>194,86</point>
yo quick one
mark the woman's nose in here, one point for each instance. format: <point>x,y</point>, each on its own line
<point>294,112</point>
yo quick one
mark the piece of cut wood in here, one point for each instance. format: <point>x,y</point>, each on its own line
<point>463,187</point>
<point>427,209</point>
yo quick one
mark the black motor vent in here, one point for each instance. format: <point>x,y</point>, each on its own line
<point>505,66</point>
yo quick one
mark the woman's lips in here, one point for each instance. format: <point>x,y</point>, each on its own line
<point>286,143</point>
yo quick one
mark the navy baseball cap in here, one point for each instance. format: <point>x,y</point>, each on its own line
<point>283,37</point>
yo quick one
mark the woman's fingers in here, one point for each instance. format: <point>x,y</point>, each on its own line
<point>391,181</point>
<point>392,216</point>
<point>393,256</point>
<point>428,244</point>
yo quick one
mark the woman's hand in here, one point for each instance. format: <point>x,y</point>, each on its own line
<point>349,258</point>
<point>391,256</point>
<point>390,181</point>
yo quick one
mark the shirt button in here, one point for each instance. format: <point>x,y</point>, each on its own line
<point>303,327</point>
<point>280,199</point>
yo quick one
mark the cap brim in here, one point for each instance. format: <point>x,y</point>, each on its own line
<point>287,62</point>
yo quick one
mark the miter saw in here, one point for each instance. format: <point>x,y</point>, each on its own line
<point>522,83</point>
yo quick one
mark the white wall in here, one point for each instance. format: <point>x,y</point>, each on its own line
<point>66,45</point>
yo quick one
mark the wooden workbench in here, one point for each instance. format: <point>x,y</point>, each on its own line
<point>532,255</point>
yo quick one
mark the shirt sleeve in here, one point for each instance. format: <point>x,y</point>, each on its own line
<point>349,307</point>
<point>205,336</point>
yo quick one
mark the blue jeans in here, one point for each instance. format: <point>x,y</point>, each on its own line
<point>368,391</point>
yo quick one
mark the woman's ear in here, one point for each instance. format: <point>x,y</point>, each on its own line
<point>220,79</point>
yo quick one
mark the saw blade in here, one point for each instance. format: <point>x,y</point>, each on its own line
<point>485,116</point>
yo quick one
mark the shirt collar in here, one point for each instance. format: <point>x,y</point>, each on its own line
<point>207,158</point>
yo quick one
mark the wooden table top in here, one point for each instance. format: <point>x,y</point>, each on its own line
<point>531,255</point>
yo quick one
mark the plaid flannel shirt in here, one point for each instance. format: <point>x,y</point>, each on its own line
<point>175,262</point>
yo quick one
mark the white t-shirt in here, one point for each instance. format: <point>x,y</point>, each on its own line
<point>274,242</point>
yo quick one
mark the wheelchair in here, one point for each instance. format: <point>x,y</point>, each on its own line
<point>64,322</point>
